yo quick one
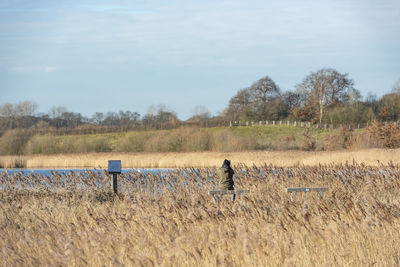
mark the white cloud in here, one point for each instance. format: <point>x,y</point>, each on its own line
<point>45,68</point>
<point>50,68</point>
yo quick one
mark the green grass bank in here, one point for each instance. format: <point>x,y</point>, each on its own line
<point>186,139</point>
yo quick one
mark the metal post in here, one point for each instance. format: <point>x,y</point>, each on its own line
<point>115,184</point>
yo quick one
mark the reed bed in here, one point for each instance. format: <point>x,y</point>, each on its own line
<point>371,157</point>
<point>166,218</point>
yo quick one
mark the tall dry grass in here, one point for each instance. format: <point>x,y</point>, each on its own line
<point>371,157</point>
<point>193,139</point>
<point>13,161</point>
<point>356,223</point>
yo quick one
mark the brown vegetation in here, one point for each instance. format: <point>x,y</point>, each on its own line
<point>170,220</point>
<point>386,135</point>
<point>370,157</point>
<point>343,138</point>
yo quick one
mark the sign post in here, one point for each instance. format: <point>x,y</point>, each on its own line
<point>114,168</point>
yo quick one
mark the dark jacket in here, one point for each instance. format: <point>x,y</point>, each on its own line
<point>225,181</point>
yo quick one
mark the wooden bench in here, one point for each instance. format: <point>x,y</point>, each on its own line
<point>294,190</point>
<point>228,192</point>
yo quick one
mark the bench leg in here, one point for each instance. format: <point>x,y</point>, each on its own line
<point>293,196</point>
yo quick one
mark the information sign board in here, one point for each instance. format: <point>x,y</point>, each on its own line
<point>114,166</point>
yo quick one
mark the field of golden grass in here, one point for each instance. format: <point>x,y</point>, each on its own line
<point>168,219</point>
<point>370,157</point>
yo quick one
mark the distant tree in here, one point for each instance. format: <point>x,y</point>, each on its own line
<point>98,117</point>
<point>277,109</point>
<point>396,87</point>
<point>326,88</point>
<point>262,94</point>
<point>72,119</point>
<point>200,113</point>
<point>19,115</point>
<point>356,112</point>
<point>7,110</point>
<point>239,107</point>
<point>295,104</point>
<point>57,111</point>
<point>150,116</point>
<point>111,119</point>
<point>371,101</point>
<point>166,115</point>
<point>302,113</point>
<point>371,98</point>
<point>261,101</point>
<point>160,115</point>
<point>389,107</point>
<point>26,108</point>
<point>128,118</point>
<point>291,99</point>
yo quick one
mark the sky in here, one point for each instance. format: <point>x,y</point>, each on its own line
<point>99,56</point>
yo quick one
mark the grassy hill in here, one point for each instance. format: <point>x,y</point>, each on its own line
<point>185,139</point>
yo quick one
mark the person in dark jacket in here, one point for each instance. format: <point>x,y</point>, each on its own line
<point>225,177</point>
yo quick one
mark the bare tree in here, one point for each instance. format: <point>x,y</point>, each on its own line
<point>98,117</point>
<point>26,108</point>
<point>72,119</point>
<point>264,89</point>
<point>166,115</point>
<point>160,115</point>
<point>200,113</point>
<point>293,99</point>
<point>239,107</point>
<point>56,112</point>
<point>396,87</point>
<point>327,87</point>
<point>7,110</point>
<point>260,101</point>
<point>128,118</point>
<point>263,93</point>
<point>389,104</point>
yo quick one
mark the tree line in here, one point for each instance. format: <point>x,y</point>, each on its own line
<point>24,115</point>
<point>323,96</point>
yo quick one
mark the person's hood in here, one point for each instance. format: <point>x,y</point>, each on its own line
<point>225,167</point>
<point>226,164</point>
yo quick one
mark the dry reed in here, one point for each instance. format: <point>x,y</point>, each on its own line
<point>168,219</point>
<point>371,157</point>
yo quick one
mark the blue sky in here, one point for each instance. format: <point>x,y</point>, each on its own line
<point>127,55</point>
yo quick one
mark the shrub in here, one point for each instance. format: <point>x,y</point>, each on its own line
<point>226,140</point>
<point>92,144</point>
<point>386,135</point>
<point>13,142</point>
<point>195,140</point>
<point>132,142</point>
<point>342,138</point>
<point>41,144</point>
<point>308,141</point>
<point>49,144</point>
